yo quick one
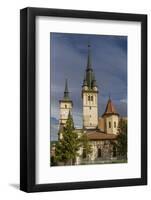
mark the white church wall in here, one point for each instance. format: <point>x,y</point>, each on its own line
<point>112,124</point>
<point>90,110</point>
<point>64,111</point>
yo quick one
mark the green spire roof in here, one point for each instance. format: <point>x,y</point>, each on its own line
<point>66,92</point>
<point>89,58</point>
<point>94,81</point>
<point>89,79</point>
<point>85,81</point>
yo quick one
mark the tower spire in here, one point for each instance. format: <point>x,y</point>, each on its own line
<point>109,97</point>
<point>110,109</point>
<point>89,58</point>
<point>66,91</point>
<point>89,96</point>
<point>89,71</point>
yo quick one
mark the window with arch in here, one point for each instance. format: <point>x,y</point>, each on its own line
<point>99,153</point>
<point>91,98</point>
<point>114,124</point>
<point>65,106</point>
<point>109,124</point>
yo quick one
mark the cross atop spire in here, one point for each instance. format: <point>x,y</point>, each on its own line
<point>66,92</point>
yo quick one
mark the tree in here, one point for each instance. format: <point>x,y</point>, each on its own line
<point>122,138</point>
<point>67,147</point>
<point>87,147</point>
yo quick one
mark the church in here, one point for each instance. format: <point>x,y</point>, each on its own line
<point>102,130</point>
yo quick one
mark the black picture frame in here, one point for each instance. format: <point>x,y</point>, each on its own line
<point>28,98</point>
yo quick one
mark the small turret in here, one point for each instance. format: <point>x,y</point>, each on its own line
<point>94,84</point>
<point>65,105</point>
<point>85,84</point>
<point>111,118</point>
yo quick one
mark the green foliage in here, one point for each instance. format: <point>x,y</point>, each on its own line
<point>67,147</point>
<point>87,147</point>
<point>122,138</point>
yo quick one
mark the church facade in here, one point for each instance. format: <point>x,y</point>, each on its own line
<point>101,130</point>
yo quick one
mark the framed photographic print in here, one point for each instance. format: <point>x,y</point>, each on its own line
<point>83,98</point>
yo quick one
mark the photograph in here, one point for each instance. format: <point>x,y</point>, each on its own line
<point>83,99</point>
<point>88,99</point>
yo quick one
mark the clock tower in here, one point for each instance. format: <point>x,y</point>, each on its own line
<point>65,106</point>
<point>90,97</point>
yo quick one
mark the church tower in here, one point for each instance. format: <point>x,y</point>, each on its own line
<point>111,118</point>
<point>65,106</point>
<point>90,97</point>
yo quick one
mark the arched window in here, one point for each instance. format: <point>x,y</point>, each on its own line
<point>114,124</point>
<point>109,124</point>
<point>91,98</point>
<point>99,153</point>
<point>65,106</point>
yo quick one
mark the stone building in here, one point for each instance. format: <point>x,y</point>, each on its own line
<point>102,130</point>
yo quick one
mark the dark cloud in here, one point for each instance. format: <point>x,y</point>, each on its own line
<point>68,53</point>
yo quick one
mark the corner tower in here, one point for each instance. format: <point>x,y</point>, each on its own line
<point>65,106</point>
<point>90,97</point>
<point>111,118</point>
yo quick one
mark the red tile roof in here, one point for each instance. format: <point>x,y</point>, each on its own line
<point>98,135</point>
<point>110,109</point>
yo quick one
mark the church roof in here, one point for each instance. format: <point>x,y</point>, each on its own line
<point>66,93</point>
<point>110,109</point>
<point>89,78</point>
<point>98,135</point>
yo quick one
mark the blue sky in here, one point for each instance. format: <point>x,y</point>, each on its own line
<point>68,54</point>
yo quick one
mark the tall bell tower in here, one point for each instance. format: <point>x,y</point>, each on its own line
<point>65,106</point>
<point>90,97</point>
